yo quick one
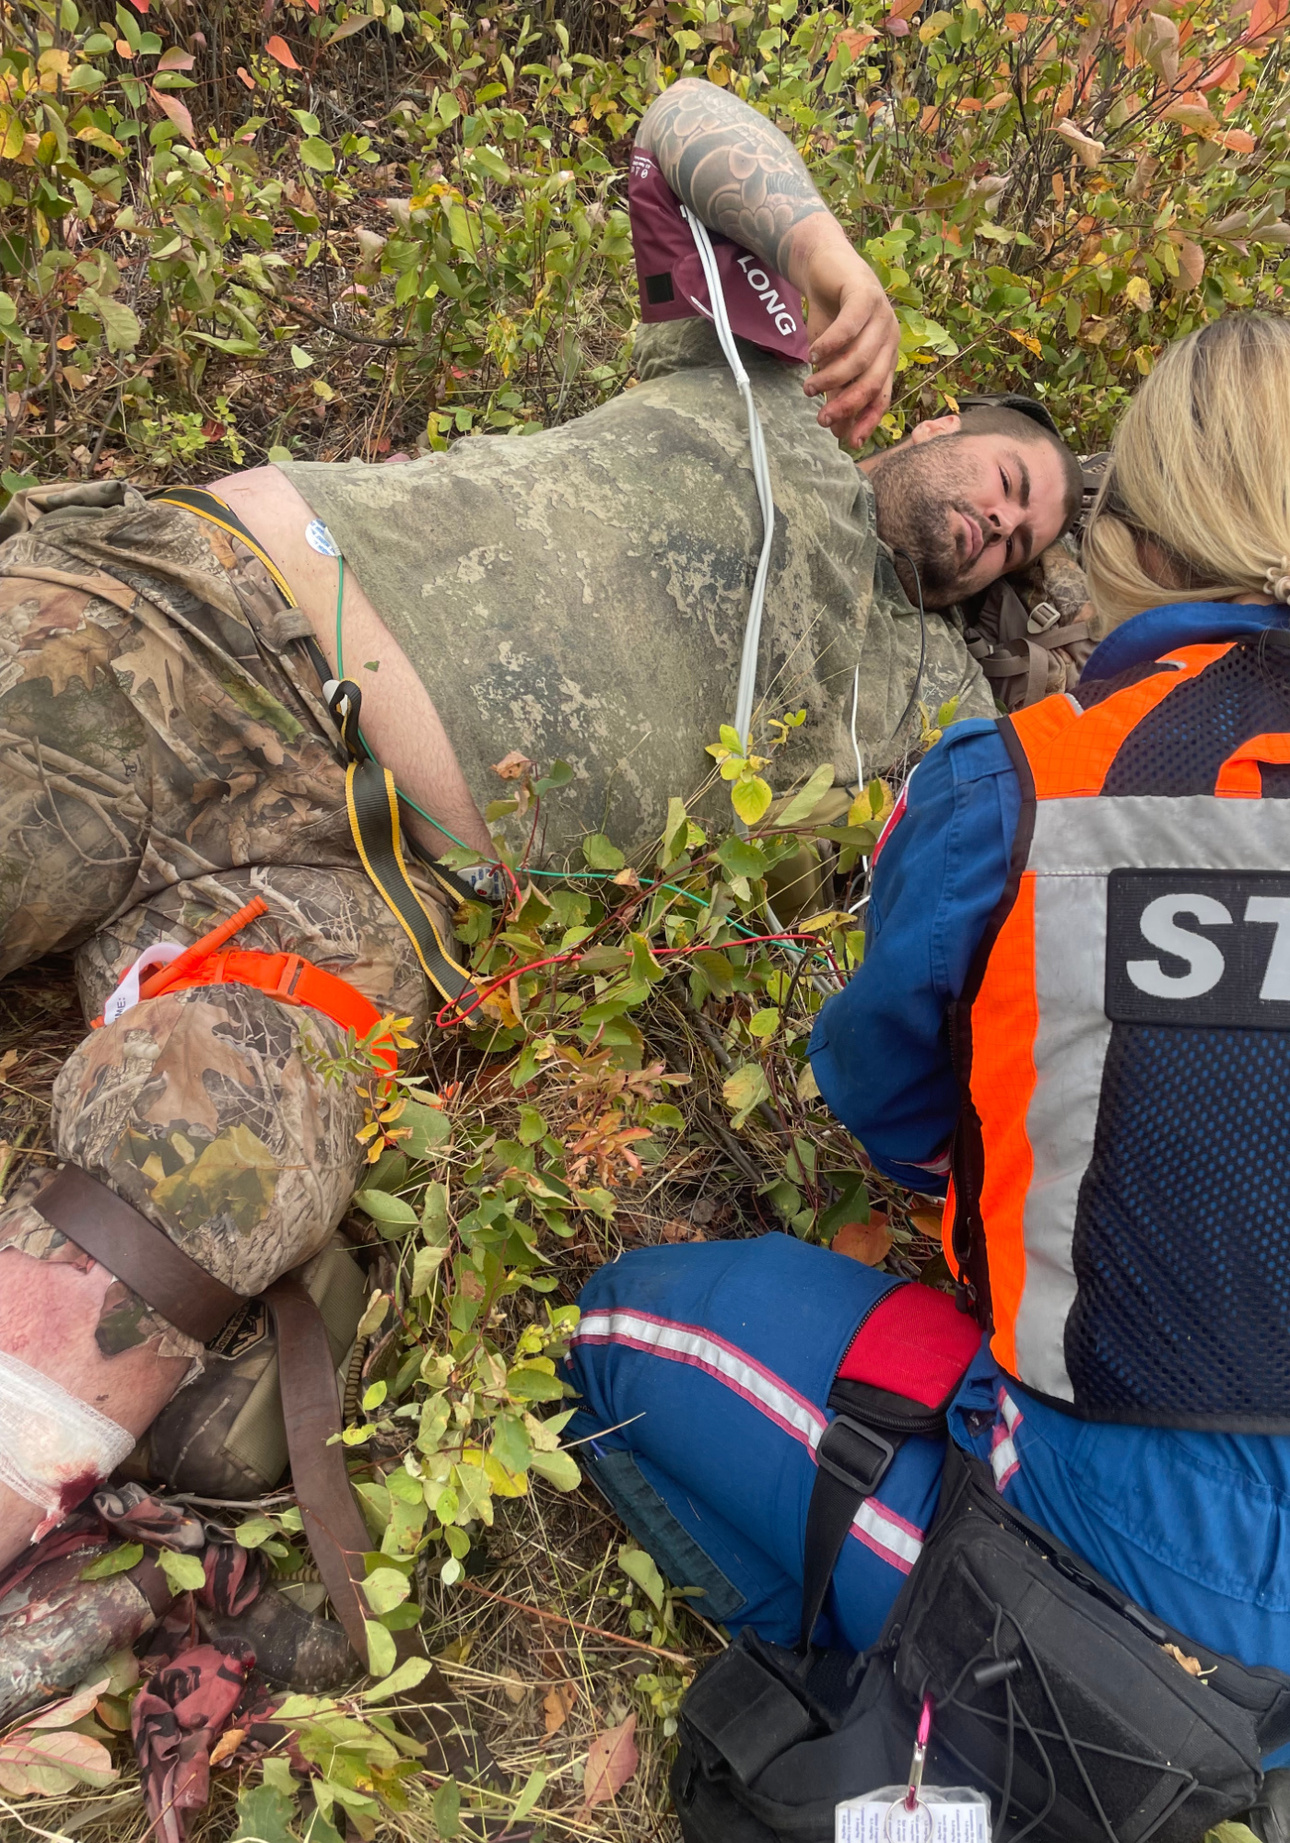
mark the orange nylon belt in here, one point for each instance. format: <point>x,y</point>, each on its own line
<point>288,977</point>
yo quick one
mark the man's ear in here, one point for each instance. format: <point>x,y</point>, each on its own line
<point>938,425</point>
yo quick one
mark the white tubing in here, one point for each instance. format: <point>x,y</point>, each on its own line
<point>747,688</point>
<point>50,1441</point>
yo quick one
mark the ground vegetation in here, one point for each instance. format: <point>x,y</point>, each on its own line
<point>232,232</point>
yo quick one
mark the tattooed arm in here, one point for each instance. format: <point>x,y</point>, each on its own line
<point>741,176</point>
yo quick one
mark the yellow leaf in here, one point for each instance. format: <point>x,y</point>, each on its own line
<point>1028,340</point>
<point>1137,292</point>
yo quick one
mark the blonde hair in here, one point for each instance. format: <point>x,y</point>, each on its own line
<point>1196,502</point>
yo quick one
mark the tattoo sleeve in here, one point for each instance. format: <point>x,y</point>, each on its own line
<point>731,167</point>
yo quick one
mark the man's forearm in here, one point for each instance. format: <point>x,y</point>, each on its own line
<point>734,170</point>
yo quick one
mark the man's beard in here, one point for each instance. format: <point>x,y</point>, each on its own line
<point>915,489</point>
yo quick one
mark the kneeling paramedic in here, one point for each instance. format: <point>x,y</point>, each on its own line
<point>1074,1010</point>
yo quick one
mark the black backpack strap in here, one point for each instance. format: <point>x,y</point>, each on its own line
<point>851,1461</point>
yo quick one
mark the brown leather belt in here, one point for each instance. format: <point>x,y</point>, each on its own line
<point>141,1255</point>
<point>104,1225</point>
<point>333,1524</point>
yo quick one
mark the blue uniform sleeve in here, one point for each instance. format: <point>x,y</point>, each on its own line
<point>880,1048</point>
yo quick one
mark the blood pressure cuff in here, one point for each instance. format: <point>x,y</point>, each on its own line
<point>1084,1719</point>
<point>762,306</point>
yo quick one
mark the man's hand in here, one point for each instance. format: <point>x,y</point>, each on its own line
<point>854,333</point>
<point>739,174</point>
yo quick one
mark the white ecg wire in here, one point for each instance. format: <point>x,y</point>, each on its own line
<point>747,688</point>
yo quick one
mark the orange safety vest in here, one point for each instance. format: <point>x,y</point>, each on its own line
<point>1120,1200</point>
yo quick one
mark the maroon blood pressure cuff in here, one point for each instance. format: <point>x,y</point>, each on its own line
<point>762,306</point>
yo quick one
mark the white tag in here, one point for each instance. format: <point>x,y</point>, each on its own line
<point>942,1815</point>
<point>320,539</point>
<point>126,996</point>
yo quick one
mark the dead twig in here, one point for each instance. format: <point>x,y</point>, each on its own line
<point>595,1631</point>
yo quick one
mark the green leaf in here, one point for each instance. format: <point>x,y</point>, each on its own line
<point>534,1786</point>
<point>264,1815</point>
<point>445,1808</point>
<point>116,1561</point>
<point>558,1468</point>
<point>492,163</point>
<point>731,739</point>
<point>385,1588</point>
<point>600,854</point>
<point>750,797</point>
<point>804,803</point>
<point>389,1212</point>
<point>532,1126</point>
<point>120,323</point>
<point>185,1573</point>
<point>409,1673</point>
<point>663,1113</point>
<point>851,1206</point>
<point>300,358</point>
<point>424,1268</point>
<point>254,1532</point>
<point>675,831</point>
<point>534,1385</point>
<point>430,1129</point>
<point>381,1654</point>
<point>764,1023</point>
<point>743,1090</point>
<point>640,1567</point>
<point>741,858</point>
<point>317,155</point>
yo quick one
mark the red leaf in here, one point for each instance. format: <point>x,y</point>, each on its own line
<point>610,1764</point>
<point>867,1242</point>
<point>176,58</point>
<point>140,6</point>
<point>279,48</point>
<point>313,5</point>
<point>171,106</point>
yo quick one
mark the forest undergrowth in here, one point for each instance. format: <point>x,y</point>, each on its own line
<point>232,232</point>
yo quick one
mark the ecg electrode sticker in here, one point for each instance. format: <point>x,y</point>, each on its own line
<point>320,539</point>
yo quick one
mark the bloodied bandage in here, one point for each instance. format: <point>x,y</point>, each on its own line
<point>53,1448</point>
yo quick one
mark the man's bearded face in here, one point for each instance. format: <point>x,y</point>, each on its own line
<point>967,509</point>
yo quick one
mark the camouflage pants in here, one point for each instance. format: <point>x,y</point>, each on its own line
<point>164,756</point>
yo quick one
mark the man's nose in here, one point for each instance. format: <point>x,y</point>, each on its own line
<point>1000,521</point>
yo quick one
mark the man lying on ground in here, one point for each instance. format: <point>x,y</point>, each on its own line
<point>580,594</point>
<point>166,753</point>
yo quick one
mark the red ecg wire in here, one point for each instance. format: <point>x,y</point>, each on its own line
<point>443,1020</point>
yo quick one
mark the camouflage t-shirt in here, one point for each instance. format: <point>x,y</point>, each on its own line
<point>580,594</point>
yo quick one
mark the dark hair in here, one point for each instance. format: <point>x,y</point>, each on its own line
<point>1001,419</point>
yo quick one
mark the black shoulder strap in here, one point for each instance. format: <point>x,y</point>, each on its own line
<point>851,1461</point>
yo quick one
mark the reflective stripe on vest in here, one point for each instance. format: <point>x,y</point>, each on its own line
<point>1050,984</point>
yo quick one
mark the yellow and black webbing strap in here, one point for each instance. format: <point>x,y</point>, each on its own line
<point>211,507</point>
<point>374,821</point>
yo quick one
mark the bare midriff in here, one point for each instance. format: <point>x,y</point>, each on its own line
<point>400,721</point>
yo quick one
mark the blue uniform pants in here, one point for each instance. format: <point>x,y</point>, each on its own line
<point>704,1371</point>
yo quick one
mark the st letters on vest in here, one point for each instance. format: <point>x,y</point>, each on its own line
<point>1199,948</point>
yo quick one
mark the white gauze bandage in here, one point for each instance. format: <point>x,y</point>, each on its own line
<point>53,1448</point>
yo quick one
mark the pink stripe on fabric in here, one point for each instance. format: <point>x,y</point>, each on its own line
<point>897,1545</point>
<point>709,1369</point>
<point>721,1343</point>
